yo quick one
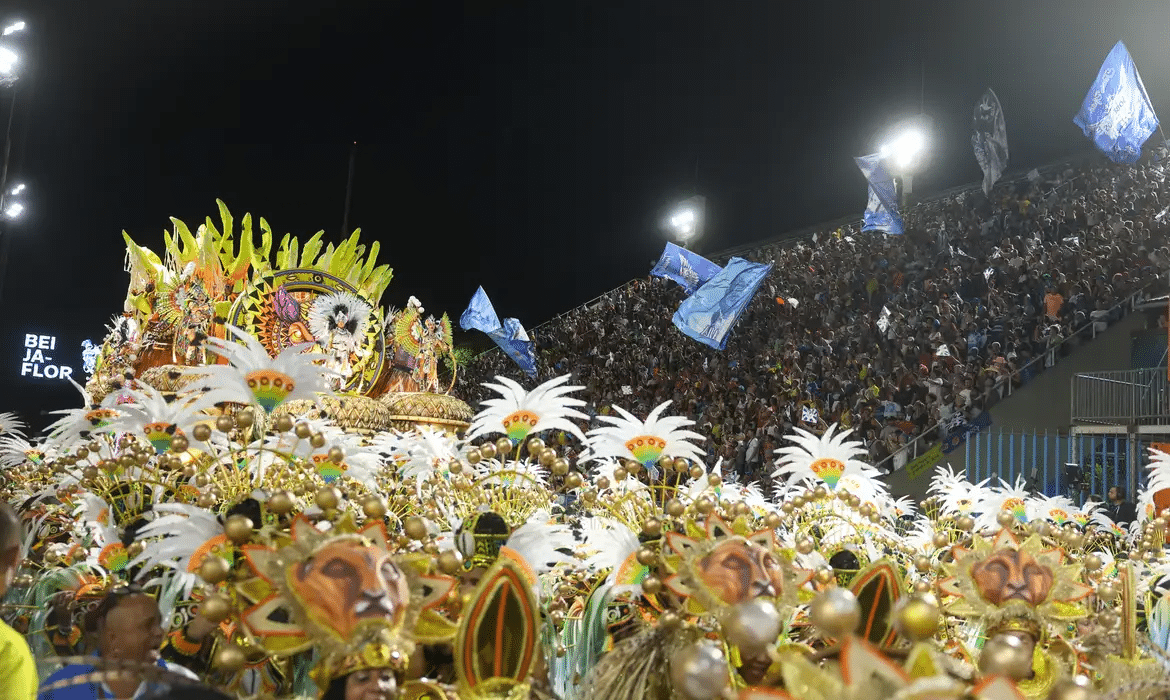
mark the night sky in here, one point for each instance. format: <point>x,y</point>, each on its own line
<point>529,147</point>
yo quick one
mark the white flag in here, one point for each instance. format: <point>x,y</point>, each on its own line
<point>990,139</point>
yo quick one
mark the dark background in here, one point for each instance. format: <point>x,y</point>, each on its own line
<point>529,147</point>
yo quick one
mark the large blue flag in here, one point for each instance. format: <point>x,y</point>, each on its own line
<point>1117,114</point>
<point>881,213</point>
<point>709,314</point>
<point>691,270</point>
<point>509,335</point>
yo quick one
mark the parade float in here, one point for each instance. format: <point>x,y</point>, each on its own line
<point>277,460</point>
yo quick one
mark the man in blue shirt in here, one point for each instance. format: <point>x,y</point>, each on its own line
<point>127,626</point>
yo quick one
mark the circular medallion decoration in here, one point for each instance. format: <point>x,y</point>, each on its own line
<point>289,307</point>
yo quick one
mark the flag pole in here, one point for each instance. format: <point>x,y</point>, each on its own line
<point>348,192</point>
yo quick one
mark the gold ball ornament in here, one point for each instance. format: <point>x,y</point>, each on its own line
<point>224,424</point>
<point>651,585</point>
<point>238,528</point>
<point>941,539</point>
<point>704,505</point>
<point>772,520</point>
<point>1006,655</point>
<point>752,625</point>
<point>303,430</point>
<point>281,503</point>
<point>652,527</point>
<point>1107,618</point>
<point>230,658</point>
<point>804,546</point>
<point>179,444</point>
<point>375,507</point>
<point>214,569</point>
<point>535,445</point>
<point>206,500</point>
<point>965,523</point>
<point>573,481</point>
<point>89,473</point>
<point>1093,562</point>
<point>245,418</point>
<point>546,456</point>
<point>647,556</point>
<point>283,423</point>
<point>503,446</point>
<point>474,457</point>
<point>1005,519</point>
<point>824,576</point>
<point>487,450</point>
<point>667,620</point>
<point>699,671</point>
<point>620,474</point>
<point>1106,591</point>
<point>696,472</point>
<point>922,563</point>
<point>714,480</point>
<point>865,510</point>
<point>415,528</point>
<point>1075,688</point>
<point>681,465</point>
<point>675,508</point>
<point>603,483</point>
<point>327,498</point>
<point>560,466</point>
<point>450,562</point>
<point>835,612</point>
<point>317,440</point>
<point>918,617</point>
<point>216,608</point>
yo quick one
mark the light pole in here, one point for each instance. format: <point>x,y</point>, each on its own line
<point>905,152</point>
<point>10,207</point>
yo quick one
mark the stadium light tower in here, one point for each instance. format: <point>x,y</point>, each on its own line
<point>685,221</point>
<point>9,55</point>
<point>906,151</point>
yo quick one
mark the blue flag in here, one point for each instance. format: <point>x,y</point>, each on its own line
<point>691,270</point>
<point>1117,114</point>
<point>509,335</point>
<point>881,213</point>
<point>709,314</point>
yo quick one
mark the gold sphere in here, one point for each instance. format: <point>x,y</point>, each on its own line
<point>824,576</point>
<point>646,556</point>
<point>652,527</point>
<point>474,457</point>
<point>216,608</point>
<point>1093,562</point>
<point>205,500</point>
<point>224,424</point>
<point>336,455</point>
<point>135,549</point>
<point>714,479</point>
<point>415,528</point>
<point>941,539</point>
<point>327,497</point>
<point>669,620</point>
<point>503,446</point>
<point>375,507</point>
<point>245,418</point>
<point>281,503</point>
<point>1005,519</point>
<point>1076,688</point>
<point>546,457</point>
<point>798,502</point>
<point>918,617</point>
<point>1107,618</point>
<point>854,501</point>
<point>696,472</point>
<point>835,612</point>
<point>89,473</point>
<point>488,450</point>
<point>865,510</point>
<point>965,523</point>
<point>675,508</point>
<point>303,430</point>
<point>681,465</point>
<point>179,444</point>
<point>804,546</point>
<point>772,520</point>
<point>535,445</point>
<point>238,528</point>
<point>1005,655</point>
<point>704,505</point>
<point>921,587</point>
<point>820,492</point>
<point>214,569</point>
<point>560,466</point>
<point>603,483</point>
<point>230,658</point>
<point>317,440</point>
<point>283,423</point>
<point>450,562</point>
<point>621,473</point>
<point>1106,591</point>
<point>651,585</point>
<point>922,563</point>
<point>573,481</point>
<point>787,507</point>
<point>188,471</point>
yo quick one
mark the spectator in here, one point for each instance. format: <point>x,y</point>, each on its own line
<point>1122,511</point>
<point>18,673</point>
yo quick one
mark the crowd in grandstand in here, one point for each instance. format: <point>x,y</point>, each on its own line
<point>897,337</point>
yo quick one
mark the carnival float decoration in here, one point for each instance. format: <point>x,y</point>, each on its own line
<point>276,459</point>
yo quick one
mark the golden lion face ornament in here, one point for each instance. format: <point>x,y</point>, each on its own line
<point>347,585</point>
<point>739,570</point>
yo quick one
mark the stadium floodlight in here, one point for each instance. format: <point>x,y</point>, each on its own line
<point>17,26</point>
<point>8,61</point>
<point>18,189</point>
<point>14,210</point>
<point>685,220</point>
<point>905,147</point>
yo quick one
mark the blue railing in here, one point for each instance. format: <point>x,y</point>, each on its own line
<point>1079,465</point>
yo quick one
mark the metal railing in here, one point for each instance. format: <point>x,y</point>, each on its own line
<point>1022,376</point>
<point>1121,397</point>
<point>1080,466</point>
